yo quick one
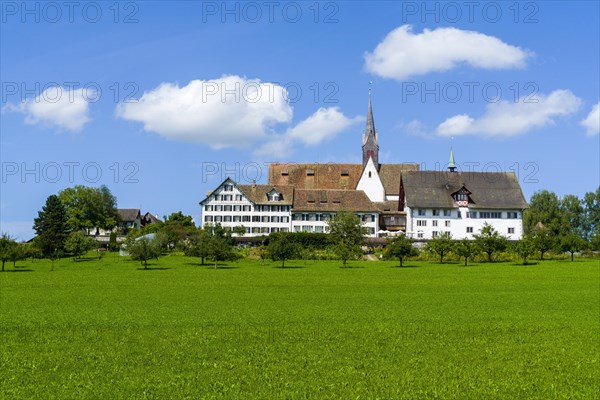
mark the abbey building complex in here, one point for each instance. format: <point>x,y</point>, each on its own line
<point>389,198</point>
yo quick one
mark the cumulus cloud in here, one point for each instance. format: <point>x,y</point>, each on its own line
<point>403,54</point>
<point>66,109</point>
<point>322,126</point>
<point>592,121</point>
<point>227,112</point>
<point>231,111</point>
<point>513,118</point>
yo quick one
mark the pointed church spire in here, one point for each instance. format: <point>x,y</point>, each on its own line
<point>451,163</point>
<point>370,146</point>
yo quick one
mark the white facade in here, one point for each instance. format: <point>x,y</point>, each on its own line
<point>370,183</point>
<point>462,222</point>
<point>317,222</point>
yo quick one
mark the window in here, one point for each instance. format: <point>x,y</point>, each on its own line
<point>237,208</point>
<point>511,230</point>
<point>319,229</point>
<point>469,229</point>
<point>512,215</point>
<point>447,224</point>
<point>208,208</point>
<point>238,197</point>
<point>283,230</point>
<point>434,234</point>
<point>488,214</point>
<point>310,172</point>
<point>420,235</point>
<point>285,219</point>
<point>228,188</point>
<point>208,218</point>
<point>227,208</point>
<point>274,219</point>
<point>218,208</point>
<point>245,218</point>
<point>370,174</point>
<point>447,213</point>
<point>472,214</point>
<point>218,218</point>
<point>345,172</point>
<point>434,223</point>
<point>237,218</point>
<point>247,208</point>
<point>436,213</point>
<point>227,218</point>
<point>421,222</point>
<point>255,218</point>
<point>265,219</point>
<point>421,212</point>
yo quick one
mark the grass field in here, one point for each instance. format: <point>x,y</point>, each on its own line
<point>108,330</point>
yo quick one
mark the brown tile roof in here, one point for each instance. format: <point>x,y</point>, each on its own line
<point>389,206</point>
<point>128,214</point>
<point>434,189</point>
<point>315,176</point>
<point>258,193</point>
<point>329,200</point>
<point>390,176</point>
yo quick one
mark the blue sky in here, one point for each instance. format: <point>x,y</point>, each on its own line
<point>162,101</point>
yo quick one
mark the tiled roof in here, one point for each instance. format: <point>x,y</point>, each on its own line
<point>434,189</point>
<point>390,176</point>
<point>258,193</point>
<point>328,200</point>
<point>315,176</point>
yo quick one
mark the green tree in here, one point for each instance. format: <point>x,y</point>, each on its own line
<point>591,222</point>
<point>178,228</point>
<point>466,249</point>
<point>18,253</point>
<point>544,239</point>
<point>197,245</point>
<point>219,249</point>
<point>89,207</point>
<point>143,249</point>
<point>281,249</point>
<point>441,245</point>
<point>346,233</point>
<point>573,215</point>
<point>572,243</point>
<point>545,208</point>
<point>524,247</point>
<point>78,243</point>
<point>7,245</point>
<point>51,228</point>
<point>240,230</point>
<point>400,247</point>
<point>490,241</point>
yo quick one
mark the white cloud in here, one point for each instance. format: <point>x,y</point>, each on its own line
<point>227,112</point>
<point>231,112</point>
<point>323,125</point>
<point>592,121</point>
<point>66,109</point>
<point>403,54</point>
<point>513,118</point>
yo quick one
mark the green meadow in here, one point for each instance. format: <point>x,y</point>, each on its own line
<point>106,329</point>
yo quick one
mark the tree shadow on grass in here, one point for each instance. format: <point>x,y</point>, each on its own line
<point>289,267</point>
<point>404,266</point>
<point>352,266</point>
<point>198,264</point>
<point>18,269</point>
<point>153,268</point>
<point>528,264</point>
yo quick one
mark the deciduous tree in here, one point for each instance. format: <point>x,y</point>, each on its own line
<point>490,241</point>
<point>346,233</point>
<point>441,245</point>
<point>400,247</point>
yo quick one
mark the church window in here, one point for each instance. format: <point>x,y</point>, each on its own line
<point>369,174</point>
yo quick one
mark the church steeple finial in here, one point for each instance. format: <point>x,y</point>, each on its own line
<point>451,163</point>
<point>370,146</point>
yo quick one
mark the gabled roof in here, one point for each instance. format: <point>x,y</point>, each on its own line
<point>149,218</point>
<point>332,200</point>
<point>433,189</point>
<point>390,176</point>
<point>258,194</point>
<point>315,176</point>
<point>128,214</point>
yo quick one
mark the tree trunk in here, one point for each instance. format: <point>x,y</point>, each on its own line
<point>441,258</point>
<point>202,260</point>
<point>3,265</point>
<point>489,257</point>
<point>400,262</point>
<point>572,254</point>
<point>466,258</point>
<point>525,260</point>
<point>542,254</point>
<point>145,264</point>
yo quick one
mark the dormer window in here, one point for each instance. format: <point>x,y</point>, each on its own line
<point>274,195</point>
<point>345,172</point>
<point>228,188</point>
<point>462,197</point>
<point>310,172</point>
